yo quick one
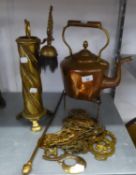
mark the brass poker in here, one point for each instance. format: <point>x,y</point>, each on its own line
<point>27,168</point>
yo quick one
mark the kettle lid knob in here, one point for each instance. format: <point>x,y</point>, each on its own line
<point>85,44</point>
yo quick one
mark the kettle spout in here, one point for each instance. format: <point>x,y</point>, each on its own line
<point>109,82</point>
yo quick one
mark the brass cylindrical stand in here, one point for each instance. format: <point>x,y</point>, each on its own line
<point>28,47</point>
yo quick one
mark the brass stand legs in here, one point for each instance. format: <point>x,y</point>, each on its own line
<point>64,99</point>
<point>98,102</point>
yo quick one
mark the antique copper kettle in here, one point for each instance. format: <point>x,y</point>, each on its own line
<point>84,73</point>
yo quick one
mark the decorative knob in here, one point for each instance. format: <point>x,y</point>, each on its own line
<point>27,28</point>
<point>85,44</point>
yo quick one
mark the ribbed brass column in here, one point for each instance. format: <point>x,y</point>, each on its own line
<point>28,48</point>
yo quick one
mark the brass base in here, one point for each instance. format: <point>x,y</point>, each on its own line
<point>36,126</point>
<point>34,119</point>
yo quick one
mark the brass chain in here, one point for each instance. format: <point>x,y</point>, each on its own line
<point>80,134</point>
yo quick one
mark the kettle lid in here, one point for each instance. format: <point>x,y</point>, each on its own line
<point>85,54</point>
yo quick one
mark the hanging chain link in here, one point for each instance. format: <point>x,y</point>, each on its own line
<point>80,134</point>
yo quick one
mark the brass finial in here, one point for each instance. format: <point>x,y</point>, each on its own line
<point>48,53</point>
<point>85,44</point>
<point>27,28</point>
<point>27,168</point>
<point>50,27</point>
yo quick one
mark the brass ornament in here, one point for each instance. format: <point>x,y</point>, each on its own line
<point>79,134</point>
<point>48,53</point>
<point>27,28</point>
<point>32,60</point>
<point>27,168</point>
<point>78,167</point>
<point>28,48</point>
<point>84,73</point>
<point>104,148</point>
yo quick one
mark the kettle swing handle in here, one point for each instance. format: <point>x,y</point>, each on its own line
<point>92,24</point>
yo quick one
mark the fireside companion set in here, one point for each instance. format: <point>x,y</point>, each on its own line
<point>84,76</point>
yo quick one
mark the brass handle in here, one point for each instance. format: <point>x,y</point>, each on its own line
<point>92,24</point>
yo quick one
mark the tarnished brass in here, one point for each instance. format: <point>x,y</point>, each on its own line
<point>32,59</point>
<point>27,167</point>
<point>79,134</point>
<point>78,167</point>
<point>84,73</point>
<point>28,48</point>
<point>48,53</point>
<point>104,148</point>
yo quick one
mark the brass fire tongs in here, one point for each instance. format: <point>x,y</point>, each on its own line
<point>27,168</point>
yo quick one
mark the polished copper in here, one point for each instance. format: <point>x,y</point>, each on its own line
<point>84,73</point>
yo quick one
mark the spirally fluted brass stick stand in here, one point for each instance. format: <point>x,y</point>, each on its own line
<point>28,48</point>
<point>32,60</point>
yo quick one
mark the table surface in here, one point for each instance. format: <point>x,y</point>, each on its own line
<point>17,141</point>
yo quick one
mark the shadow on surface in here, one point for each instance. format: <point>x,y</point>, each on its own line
<point>108,112</point>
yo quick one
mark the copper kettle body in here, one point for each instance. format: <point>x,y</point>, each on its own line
<point>84,73</point>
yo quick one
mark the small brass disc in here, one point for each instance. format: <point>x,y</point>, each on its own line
<point>78,167</point>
